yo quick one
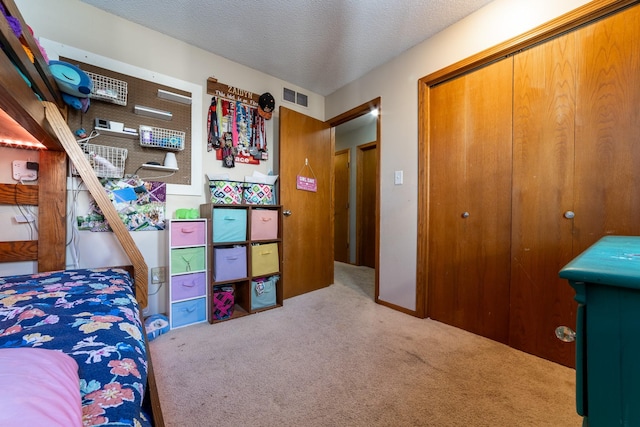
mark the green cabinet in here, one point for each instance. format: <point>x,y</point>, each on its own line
<point>606,279</point>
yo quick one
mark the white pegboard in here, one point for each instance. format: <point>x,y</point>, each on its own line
<point>21,173</point>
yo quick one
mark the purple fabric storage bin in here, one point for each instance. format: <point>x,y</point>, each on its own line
<point>229,263</point>
<point>185,286</point>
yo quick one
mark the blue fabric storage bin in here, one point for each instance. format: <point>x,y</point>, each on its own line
<point>229,263</point>
<point>187,312</point>
<point>229,225</point>
<point>263,292</point>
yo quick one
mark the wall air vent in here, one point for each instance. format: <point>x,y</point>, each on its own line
<point>290,95</point>
<point>302,99</point>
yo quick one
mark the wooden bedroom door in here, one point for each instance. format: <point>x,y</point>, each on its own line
<point>470,201</point>
<point>608,129</point>
<point>341,211</point>
<point>308,230</point>
<point>576,157</point>
<point>543,189</point>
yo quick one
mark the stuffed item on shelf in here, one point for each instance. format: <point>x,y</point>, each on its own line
<point>74,84</point>
<point>71,79</point>
<point>185,213</point>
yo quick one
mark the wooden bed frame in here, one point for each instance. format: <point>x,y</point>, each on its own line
<point>43,116</point>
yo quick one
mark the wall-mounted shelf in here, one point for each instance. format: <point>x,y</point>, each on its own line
<point>159,167</point>
<point>118,133</point>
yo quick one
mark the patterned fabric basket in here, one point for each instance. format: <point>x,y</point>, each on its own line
<point>259,194</point>
<point>226,192</point>
<point>223,302</point>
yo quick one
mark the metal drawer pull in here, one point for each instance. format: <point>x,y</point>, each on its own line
<point>569,214</point>
<point>465,215</point>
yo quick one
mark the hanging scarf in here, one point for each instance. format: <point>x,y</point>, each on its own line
<point>213,136</point>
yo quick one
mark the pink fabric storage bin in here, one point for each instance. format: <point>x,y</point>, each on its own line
<point>229,263</point>
<point>264,224</point>
<point>188,233</point>
<point>185,286</point>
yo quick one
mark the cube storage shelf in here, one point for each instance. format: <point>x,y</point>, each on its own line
<point>244,265</point>
<point>188,278</point>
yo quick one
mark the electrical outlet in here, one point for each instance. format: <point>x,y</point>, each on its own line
<point>22,173</point>
<point>157,275</point>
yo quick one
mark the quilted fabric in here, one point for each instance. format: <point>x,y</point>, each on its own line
<point>226,192</point>
<point>258,194</point>
<point>92,316</point>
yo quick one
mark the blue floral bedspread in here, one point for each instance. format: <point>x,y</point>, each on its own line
<point>91,315</point>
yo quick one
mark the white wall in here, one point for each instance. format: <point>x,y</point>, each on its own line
<point>89,29</point>
<point>396,84</point>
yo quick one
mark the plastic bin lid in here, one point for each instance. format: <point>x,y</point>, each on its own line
<point>612,260</point>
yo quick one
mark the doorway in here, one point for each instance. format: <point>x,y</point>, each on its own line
<point>357,187</point>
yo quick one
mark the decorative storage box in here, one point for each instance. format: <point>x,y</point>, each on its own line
<point>186,286</point>
<point>226,192</point>
<point>264,259</point>
<point>188,233</point>
<point>188,312</point>
<point>223,302</point>
<point>263,292</point>
<point>264,224</point>
<point>187,259</point>
<point>229,263</point>
<point>229,225</point>
<point>258,194</point>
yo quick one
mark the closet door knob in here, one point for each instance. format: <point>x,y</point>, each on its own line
<point>565,334</point>
<point>569,214</point>
<point>465,215</point>
<point>286,213</point>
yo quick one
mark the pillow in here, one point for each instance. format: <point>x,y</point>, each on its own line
<point>39,388</point>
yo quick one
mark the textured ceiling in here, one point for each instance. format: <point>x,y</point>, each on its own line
<point>319,45</point>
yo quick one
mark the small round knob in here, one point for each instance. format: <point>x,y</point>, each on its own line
<point>569,214</point>
<point>286,213</point>
<point>465,215</point>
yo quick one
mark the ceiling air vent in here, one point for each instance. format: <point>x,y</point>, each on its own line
<point>290,95</point>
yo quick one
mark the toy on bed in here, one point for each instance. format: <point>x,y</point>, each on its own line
<point>75,84</point>
<point>91,316</point>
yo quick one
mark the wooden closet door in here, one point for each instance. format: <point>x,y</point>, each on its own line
<point>470,173</point>
<point>543,170</point>
<point>608,129</point>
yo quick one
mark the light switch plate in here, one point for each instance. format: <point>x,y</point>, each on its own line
<point>398,177</point>
<point>21,173</point>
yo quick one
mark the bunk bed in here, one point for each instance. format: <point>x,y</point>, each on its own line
<point>86,322</point>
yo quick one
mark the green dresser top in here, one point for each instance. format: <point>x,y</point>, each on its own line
<point>612,260</point>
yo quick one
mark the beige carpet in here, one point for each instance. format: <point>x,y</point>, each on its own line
<point>335,358</point>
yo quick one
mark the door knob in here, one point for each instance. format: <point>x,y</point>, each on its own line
<point>569,214</point>
<point>465,215</point>
<point>565,333</point>
<point>286,213</point>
